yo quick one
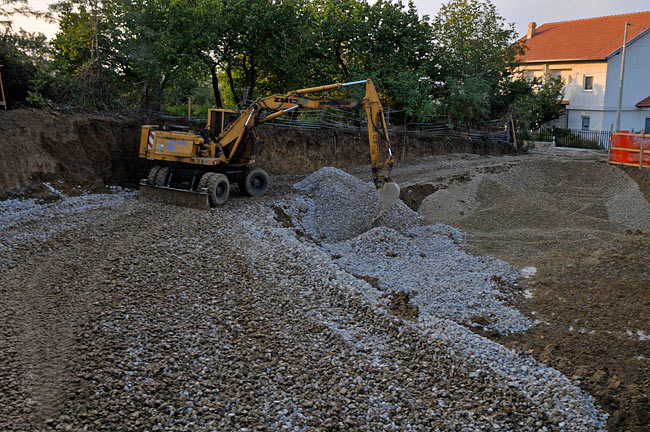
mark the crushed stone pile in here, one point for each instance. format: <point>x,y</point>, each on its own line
<point>337,205</point>
<point>278,334</point>
<point>44,220</point>
<point>398,217</point>
<point>453,291</point>
<point>403,256</point>
<point>444,281</point>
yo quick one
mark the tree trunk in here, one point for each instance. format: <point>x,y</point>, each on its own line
<point>346,73</point>
<point>231,82</point>
<point>251,86</point>
<point>215,86</point>
<point>161,93</point>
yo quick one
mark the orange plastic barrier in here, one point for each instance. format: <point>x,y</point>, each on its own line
<point>630,149</point>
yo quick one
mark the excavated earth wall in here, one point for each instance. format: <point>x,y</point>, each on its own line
<point>85,152</point>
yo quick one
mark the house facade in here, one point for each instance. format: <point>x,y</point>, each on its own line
<point>587,54</point>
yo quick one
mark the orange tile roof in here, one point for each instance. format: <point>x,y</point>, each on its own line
<point>590,38</point>
<point>645,103</point>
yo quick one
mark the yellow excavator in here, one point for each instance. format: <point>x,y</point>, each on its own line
<point>196,169</point>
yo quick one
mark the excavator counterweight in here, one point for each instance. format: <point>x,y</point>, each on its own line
<point>196,168</point>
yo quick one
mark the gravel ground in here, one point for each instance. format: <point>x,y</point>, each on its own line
<point>137,316</point>
<point>24,220</point>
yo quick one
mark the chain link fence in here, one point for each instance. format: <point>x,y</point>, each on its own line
<point>355,121</point>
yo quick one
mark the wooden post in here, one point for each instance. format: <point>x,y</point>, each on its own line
<point>514,132</point>
<point>2,90</point>
<point>641,155</point>
<point>189,108</point>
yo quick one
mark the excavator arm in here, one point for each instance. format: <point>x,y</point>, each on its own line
<point>281,104</point>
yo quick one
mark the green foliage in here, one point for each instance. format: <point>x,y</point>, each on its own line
<point>467,101</point>
<point>538,102</point>
<point>22,53</point>
<point>155,53</point>
<point>566,138</point>
<point>476,52</point>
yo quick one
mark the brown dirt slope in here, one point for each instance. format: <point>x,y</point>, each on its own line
<point>80,150</point>
<point>591,306</point>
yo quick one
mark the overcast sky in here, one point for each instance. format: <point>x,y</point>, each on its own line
<point>521,12</point>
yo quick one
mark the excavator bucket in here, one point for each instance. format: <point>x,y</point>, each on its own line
<point>388,195</point>
<point>179,197</point>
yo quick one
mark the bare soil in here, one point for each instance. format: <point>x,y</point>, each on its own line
<point>591,293</point>
<point>591,305</point>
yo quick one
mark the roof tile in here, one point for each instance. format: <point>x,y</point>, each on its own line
<point>645,103</point>
<point>590,38</point>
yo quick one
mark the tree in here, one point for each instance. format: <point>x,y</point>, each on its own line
<point>541,104</point>
<point>475,51</point>
<point>386,41</point>
<point>23,54</point>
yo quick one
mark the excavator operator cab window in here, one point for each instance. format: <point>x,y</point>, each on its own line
<point>221,119</point>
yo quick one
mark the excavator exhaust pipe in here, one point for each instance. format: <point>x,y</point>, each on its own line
<point>181,197</point>
<point>388,195</point>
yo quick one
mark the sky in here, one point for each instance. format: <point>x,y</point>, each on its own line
<point>521,12</point>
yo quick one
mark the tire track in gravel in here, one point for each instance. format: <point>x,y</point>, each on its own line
<point>42,303</point>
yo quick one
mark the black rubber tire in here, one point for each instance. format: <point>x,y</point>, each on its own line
<point>161,176</point>
<point>218,189</point>
<point>203,182</point>
<point>254,182</point>
<point>151,179</point>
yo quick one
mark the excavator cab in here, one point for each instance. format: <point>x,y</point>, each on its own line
<point>220,119</point>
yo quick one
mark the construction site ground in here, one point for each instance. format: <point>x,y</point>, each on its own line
<point>592,287</point>
<point>126,315</point>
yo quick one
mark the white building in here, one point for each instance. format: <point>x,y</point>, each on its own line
<point>586,53</point>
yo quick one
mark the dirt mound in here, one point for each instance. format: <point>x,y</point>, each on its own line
<point>83,152</point>
<point>542,202</point>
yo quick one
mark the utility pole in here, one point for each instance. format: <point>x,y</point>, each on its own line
<point>620,82</point>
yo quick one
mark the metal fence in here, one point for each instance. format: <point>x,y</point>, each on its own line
<point>355,121</point>
<point>570,137</point>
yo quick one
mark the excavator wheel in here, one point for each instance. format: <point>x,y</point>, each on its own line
<point>218,188</point>
<point>254,182</point>
<point>203,183</point>
<point>151,179</point>
<point>161,176</point>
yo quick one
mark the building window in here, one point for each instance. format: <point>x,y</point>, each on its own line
<point>589,82</point>
<point>585,123</point>
<point>647,125</point>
